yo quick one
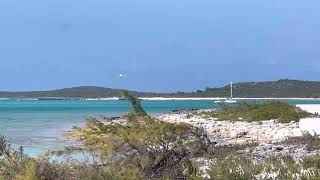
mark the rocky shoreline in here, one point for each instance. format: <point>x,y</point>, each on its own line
<point>239,148</point>
<point>259,139</point>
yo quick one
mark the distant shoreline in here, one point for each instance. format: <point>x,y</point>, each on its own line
<point>281,89</point>
<point>155,99</point>
<point>219,98</point>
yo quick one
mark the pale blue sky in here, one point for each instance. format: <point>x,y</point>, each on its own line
<point>161,45</point>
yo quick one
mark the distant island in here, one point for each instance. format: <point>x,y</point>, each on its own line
<point>283,88</point>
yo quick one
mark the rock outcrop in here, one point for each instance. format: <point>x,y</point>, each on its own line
<point>237,132</point>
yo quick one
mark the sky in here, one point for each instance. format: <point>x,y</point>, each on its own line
<point>156,45</point>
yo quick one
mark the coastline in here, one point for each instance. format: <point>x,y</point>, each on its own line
<point>157,98</point>
<point>268,136</point>
<point>220,98</point>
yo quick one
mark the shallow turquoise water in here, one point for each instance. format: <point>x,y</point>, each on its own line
<point>39,125</point>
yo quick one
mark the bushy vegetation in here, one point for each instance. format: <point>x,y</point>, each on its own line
<point>222,152</point>
<point>275,167</point>
<point>135,103</point>
<point>311,142</point>
<point>15,165</point>
<point>283,112</point>
<point>143,144</point>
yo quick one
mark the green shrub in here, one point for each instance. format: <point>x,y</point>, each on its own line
<point>275,167</point>
<point>155,148</point>
<point>147,145</point>
<point>283,112</point>
<point>234,168</point>
<point>311,142</point>
<point>135,103</point>
<point>311,162</point>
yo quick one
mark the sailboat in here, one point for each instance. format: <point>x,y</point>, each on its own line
<point>230,100</point>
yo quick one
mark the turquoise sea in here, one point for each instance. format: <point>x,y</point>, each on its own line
<point>39,125</point>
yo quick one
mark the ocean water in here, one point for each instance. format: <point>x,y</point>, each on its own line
<point>38,126</point>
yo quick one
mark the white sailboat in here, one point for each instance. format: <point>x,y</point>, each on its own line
<point>230,100</point>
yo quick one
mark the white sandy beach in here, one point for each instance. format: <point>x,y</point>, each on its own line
<point>312,108</point>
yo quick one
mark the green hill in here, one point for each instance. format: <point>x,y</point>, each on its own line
<point>273,89</point>
<point>75,92</point>
<point>283,88</point>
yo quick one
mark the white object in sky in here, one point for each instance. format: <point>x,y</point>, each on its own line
<point>122,75</point>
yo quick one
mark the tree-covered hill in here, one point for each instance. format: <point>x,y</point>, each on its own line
<point>75,92</point>
<point>282,88</point>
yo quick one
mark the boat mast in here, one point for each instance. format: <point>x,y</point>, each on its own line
<point>231,90</point>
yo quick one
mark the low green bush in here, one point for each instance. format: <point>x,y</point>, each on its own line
<point>275,167</point>
<point>157,149</point>
<point>311,142</point>
<point>283,112</point>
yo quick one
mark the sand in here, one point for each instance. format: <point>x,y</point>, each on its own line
<point>312,108</point>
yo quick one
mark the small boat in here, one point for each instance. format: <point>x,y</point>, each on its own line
<point>228,100</point>
<point>231,100</point>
